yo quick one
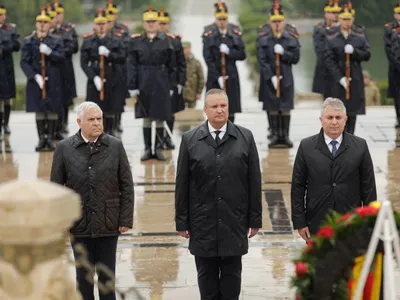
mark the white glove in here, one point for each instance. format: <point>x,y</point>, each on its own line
<point>97,83</point>
<point>279,49</point>
<point>45,49</point>
<point>224,49</point>
<point>171,92</point>
<point>134,93</point>
<point>221,81</point>
<point>39,80</point>
<point>274,80</point>
<point>104,51</point>
<point>343,82</point>
<point>349,49</point>
<point>180,89</point>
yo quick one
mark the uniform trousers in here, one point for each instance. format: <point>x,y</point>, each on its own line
<point>219,278</point>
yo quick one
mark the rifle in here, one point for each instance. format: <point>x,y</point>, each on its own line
<point>43,71</point>
<point>223,67</point>
<point>346,35</point>
<point>102,77</point>
<point>278,74</point>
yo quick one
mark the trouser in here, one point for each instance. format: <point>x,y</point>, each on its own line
<point>100,251</point>
<point>147,133</point>
<point>397,103</point>
<point>219,278</point>
<point>351,124</point>
<point>109,123</point>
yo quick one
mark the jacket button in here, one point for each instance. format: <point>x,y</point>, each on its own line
<point>219,199</point>
<point>220,221</point>
<point>218,156</point>
<point>219,177</point>
<point>90,167</point>
<point>92,212</point>
<point>334,184</point>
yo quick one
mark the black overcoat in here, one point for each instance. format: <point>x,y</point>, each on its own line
<point>218,190</point>
<point>393,71</point>
<point>322,182</point>
<point>319,35</point>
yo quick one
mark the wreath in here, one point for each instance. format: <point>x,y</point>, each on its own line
<point>330,263</point>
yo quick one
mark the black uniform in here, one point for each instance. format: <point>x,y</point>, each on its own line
<point>9,43</point>
<point>31,66</point>
<point>212,39</point>
<point>335,60</point>
<point>267,94</point>
<point>90,63</point>
<point>391,36</point>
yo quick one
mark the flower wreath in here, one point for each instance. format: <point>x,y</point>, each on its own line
<point>326,267</point>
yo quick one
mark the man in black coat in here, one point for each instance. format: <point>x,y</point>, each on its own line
<point>9,43</point>
<point>218,197</point>
<point>333,170</point>
<point>224,39</point>
<point>347,48</point>
<point>277,50</point>
<point>95,165</point>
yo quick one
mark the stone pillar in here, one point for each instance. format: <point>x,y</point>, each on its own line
<point>34,217</point>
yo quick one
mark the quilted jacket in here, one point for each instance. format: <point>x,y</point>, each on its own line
<point>102,177</point>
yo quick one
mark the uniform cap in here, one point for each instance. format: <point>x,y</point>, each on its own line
<point>396,9</point>
<point>186,44</point>
<point>3,10</point>
<point>163,16</point>
<point>221,10</point>
<point>328,6</point>
<point>43,16</point>
<point>100,17</point>
<point>51,10</point>
<point>276,13</point>
<point>345,13</point>
<point>335,8</point>
<point>111,7</point>
<point>150,15</point>
<point>59,7</point>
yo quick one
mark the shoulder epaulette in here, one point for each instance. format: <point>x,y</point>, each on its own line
<point>123,24</point>
<point>117,34</point>
<point>234,26</point>
<point>208,33</point>
<point>88,35</point>
<point>294,35</point>
<point>11,25</point>
<point>29,34</point>
<point>238,32</point>
<point>71,25</point>
<point>395,29</point>
<point>120,30</point>
<point>170,35</point>
<point>178,36</point>
<point>64,28</point>
<point>262,26</point>
<point>136,35</point>
<point>388,24</point>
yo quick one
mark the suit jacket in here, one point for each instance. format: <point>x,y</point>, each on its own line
<point>322,182</point>
<point>218,190</point>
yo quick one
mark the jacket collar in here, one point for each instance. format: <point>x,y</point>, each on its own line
<point>204,134</point>
<point>321,145</point>
<point>77,139</point>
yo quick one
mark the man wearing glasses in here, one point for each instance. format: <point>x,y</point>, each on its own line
<point>222,47</point>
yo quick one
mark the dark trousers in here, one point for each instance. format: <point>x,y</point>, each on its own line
<point>219,278</point>
<point>99,251</point>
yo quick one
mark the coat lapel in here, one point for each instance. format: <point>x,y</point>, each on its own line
<point>230,132</point>
<point>343,146</point>
<point>204,134</point>
<point>321,145</point>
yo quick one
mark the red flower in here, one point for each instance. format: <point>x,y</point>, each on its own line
<point>310,242</point>
<point>326,232</point>
<point>310,246</point>
<point>346,216</point>
<point>366,211</point>
<point>301,269</point>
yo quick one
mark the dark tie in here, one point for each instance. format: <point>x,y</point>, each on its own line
<point>217,139</point>
<point>334,148</point>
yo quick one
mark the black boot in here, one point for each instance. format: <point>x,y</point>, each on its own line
<point>147,144</point>
<point>41,128</point>
<point>396,126</point>
<point>51,128</point>
<point>269,136</point>
<point>1,127</point>
<point>64,128</point>
<point>7,112</point>
<point>111,125</point>
<point>351,124</point>
<point>159,145</point>
<point>57,134</point>
<point>274,141</point>
<point>231,118</point>
<point>285,123</point>
<point>118,123</point>
<point>169,145</point>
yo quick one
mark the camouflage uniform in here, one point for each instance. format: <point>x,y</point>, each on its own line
<point>194,81</point>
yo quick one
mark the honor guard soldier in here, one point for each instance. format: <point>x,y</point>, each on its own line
<point>222,47</point>
<point>391,35</point>
<point>121,28</point>
<point>151,74</point>
<point>102,55</point>
<point>277,50</point>
<point>41,60</point>
<point>344,52</point>
<point>69,73</point>
<point>177,101</point>
<point>9,43</point>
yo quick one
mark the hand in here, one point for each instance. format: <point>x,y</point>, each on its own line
<point>134,93</point>
<point>185,234</point>
<point>180,89</point>
<point>171,92</point>
<point>274,80</point>
<point>97,83</point>
<point>221,81</point>
<point>253,232</point>
<point>349,49</point>
<point>304,233</point>
<point>279,49</point>
<point>39,80</point>
<point>343,82</point>
<point>198,95</point>
<point>45,49</point>
<point>123,229</point>
<point>104,51</point>
<point>223,48</point>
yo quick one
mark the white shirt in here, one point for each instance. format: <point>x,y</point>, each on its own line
<point>86,140</point>
<point>328,141</point>
<point>213,130</point>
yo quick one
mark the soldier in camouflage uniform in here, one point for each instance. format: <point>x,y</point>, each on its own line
<point>391,35</point>
<point>195,77</point>
<point>9,43</point>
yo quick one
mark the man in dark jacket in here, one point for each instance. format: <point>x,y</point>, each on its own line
<point>333,170</point>
<point>277,50</point>
<point>9,43</point>
<point>218,197</point>
<point>95,165</point>
<point>345,50</point>
<point>224,40</point>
